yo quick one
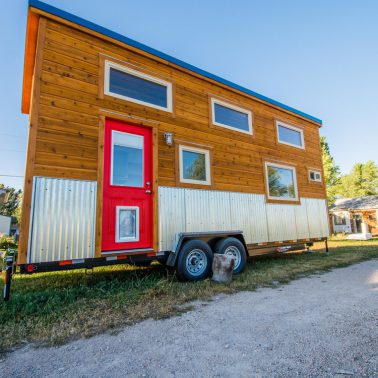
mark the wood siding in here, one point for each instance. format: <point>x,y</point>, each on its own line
<point>72,107</point>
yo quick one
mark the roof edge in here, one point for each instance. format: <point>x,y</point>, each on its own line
<point>109,33</point>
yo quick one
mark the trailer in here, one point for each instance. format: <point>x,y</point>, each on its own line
<point>134,155</point>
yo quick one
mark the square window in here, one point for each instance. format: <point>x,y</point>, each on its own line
<point>131,85</point>
<point>281,182</point>
<point>194,165</point>
<point>290,135</point>
<point>127,224</point>
<point>231,116</point>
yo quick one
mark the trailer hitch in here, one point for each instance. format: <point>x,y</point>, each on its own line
<point>9,268</point>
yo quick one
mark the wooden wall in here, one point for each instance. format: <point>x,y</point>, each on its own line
<point>70,106</point>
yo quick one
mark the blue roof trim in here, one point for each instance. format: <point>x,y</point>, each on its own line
<point>99,29</point>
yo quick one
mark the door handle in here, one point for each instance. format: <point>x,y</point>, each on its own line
<point>148,191</point>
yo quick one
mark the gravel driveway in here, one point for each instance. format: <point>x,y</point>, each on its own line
<point>321,326</point>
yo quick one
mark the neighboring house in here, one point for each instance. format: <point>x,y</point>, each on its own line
<point>355,215</point>
<point>134,154</point>
<point>5,225</point>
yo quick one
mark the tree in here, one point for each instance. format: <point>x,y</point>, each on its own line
<point>331,171</point>
<point>9,208</point>
<point>361,181</point>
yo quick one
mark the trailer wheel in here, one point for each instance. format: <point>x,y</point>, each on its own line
<point>194,261</point>
<point>235,248</point>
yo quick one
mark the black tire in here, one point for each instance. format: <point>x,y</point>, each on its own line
<point>194,261</point>
<point>233,247</point>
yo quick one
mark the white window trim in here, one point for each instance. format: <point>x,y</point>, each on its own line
<point>279,123</point>
<point>112,157</point>
<point>109,64</point>
<point>296,198</point>
<point>233,107</point>
<point>183,148</point>
<point>314,171</point>
<point>137,226</point>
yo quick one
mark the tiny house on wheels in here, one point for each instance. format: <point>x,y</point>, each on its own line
<point>135,155</point>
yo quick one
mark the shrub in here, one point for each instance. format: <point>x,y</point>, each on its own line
<point>7,242</point>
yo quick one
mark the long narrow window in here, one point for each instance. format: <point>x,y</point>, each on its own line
<point>194,165</point>
<point>290,135</point>
<point>281,182</point>
<point>131,85</point>
<point>231,116</point>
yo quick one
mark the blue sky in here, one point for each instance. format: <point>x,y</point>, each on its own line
<point>320,57</point>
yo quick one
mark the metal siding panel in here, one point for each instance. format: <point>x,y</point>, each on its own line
<point>171,216</point>
<point>248,213</point>
<point>281,222</point>
<point>199,210</point>
<point>317,217</point>
<point>301,221</point>
<point>63,220</point>
<point>207,210</point>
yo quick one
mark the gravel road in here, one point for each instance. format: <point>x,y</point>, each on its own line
<point>320,326</point>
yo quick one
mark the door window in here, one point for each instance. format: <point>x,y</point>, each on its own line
<point>127,159</point>
<point>127,224</point>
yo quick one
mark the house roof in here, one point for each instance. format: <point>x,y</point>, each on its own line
<point>358,203</point>
<point>109,33</point>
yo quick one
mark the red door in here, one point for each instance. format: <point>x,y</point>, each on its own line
<point>127,196</point>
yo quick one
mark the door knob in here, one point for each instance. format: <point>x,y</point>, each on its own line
<point>148,191</point>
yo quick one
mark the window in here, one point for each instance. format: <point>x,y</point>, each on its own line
<point>127,159</point>
<point>194,165</point>
<point>290,135</point>
<point>231,117</point>
<point>127,224</point>
<point>339,220</point>
<point>281,182</point>
<point>314,176</point>
<point>131,85</point>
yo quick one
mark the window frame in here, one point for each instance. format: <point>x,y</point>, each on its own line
<point>283,199</point>
<point>183,180</point>
<point>315,171</point>
<point>110,64</point>
<point>291,127</point>
<point>137,224</point>
<point>228,105</point>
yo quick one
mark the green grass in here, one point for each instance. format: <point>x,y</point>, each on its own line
<point>53,308</point>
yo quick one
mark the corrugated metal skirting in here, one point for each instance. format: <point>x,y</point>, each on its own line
<point>183,210</point>
<point>63,218</point>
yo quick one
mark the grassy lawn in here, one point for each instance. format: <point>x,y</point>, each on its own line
<point>52,308</point>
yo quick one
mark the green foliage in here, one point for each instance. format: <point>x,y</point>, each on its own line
<point>331,171</point>
<point>7,242</point>
<point>361,181</point>
<point>9,208</point>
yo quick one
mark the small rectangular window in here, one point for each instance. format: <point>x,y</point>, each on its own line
<point>290,135</point>
<point>231,116</point>
<point>127,224</point>
<point>131,85</point>
<point>281,182</point>
<point>315,176</point>
<point>194,165</point>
